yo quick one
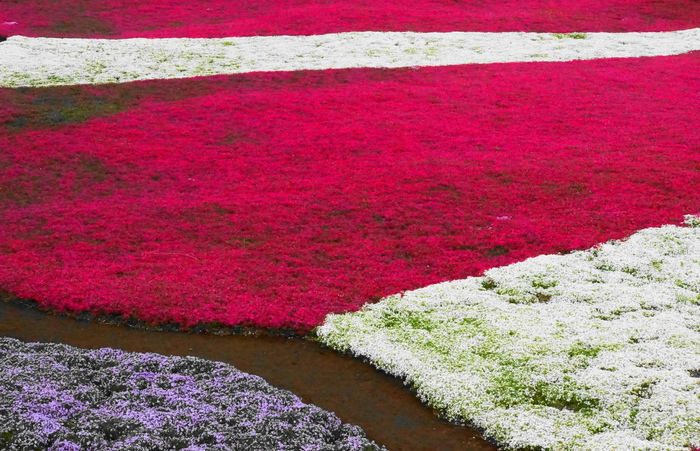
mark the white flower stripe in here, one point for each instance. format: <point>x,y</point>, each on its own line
<point>65,61</point>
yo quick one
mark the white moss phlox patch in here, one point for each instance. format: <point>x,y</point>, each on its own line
<point>595,350</point>
<point>66,61</point>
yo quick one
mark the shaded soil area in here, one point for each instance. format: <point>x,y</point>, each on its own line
<point>358,393</point>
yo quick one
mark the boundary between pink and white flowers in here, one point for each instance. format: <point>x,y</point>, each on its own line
<point>595,350</point>
<point>55,61</point>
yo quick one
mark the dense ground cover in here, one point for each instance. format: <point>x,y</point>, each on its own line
<point>273,199</point>
<point>222,18</point>
<point>31,62</point>
<point>60,398</point>
<point>595,350</point>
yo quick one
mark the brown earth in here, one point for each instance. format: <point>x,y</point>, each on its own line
<point>357,392</point>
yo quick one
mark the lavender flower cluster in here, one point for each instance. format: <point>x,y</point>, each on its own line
<point>60,398</point>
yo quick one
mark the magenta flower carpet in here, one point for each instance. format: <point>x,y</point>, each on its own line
<point>272,200</point>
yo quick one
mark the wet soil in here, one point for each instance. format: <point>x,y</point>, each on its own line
<point>357,392</point>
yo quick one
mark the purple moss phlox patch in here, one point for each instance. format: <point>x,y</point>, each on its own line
<point>59,398</point>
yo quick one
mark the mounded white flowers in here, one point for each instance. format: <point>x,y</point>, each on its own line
<point>66,61</point>
<point>595,350</point>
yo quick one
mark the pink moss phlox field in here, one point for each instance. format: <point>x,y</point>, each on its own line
<point>273,199</point>
<point>224,18</point>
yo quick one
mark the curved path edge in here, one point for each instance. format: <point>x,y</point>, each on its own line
<point>358,393</point>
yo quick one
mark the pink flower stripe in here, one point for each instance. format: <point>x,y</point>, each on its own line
<point>225,18</point>
<point>273,199</point>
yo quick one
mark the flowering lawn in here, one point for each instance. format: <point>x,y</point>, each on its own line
<point>285,199</point>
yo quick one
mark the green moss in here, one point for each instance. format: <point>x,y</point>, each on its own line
<point>55,80</point>
<point>682,284</point>
<point>513,386</point>
<point>685,299</point>
<point>488,284</point>
<point>595,278</point>
<point>95,67</point>
<point>643,390</point>
<point>583,349</point>
<point>692,221</point>
<point>430,51</point>
<point>602,266</point>
<point>589,351</point>
<point>408,319</point>
<point>370,52</point>
<point>514,292</point>
<point>541,282</point>
<point>569,35</point>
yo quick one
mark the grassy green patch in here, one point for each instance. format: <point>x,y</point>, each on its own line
<point>56,106</point>
<point>569,35</point>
